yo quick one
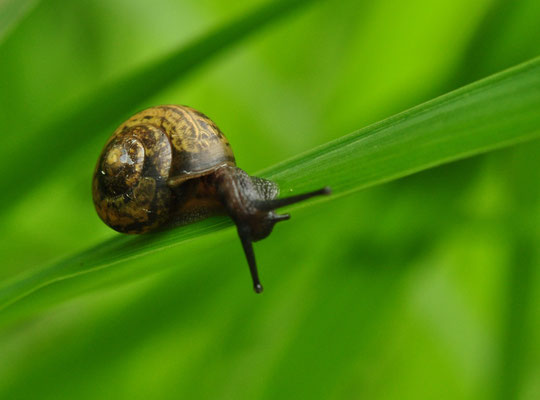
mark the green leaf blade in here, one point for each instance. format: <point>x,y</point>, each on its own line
<point>493,113</point>
<point>496,112</point>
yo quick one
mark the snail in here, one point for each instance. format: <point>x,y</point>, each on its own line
<point>171,165</point>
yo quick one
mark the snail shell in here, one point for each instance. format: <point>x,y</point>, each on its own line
<point>171,165</point>
<point>152,152</point>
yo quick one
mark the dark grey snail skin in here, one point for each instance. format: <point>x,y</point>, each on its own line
<point>171,165</point>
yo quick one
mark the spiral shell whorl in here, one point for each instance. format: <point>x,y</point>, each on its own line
<point>130,184</point>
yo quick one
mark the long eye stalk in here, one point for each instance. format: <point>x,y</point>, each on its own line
<point>268,205</point>
<point>250,255</point>
<point>247,237</point>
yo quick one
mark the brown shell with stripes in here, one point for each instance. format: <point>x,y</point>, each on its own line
<point>145,176</point>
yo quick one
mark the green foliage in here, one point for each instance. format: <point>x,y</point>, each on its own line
<point>425,287</point>
<point>11,13</point>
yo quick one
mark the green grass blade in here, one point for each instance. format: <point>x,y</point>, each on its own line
<point>499,111</point>
<point>12,13</point>
<point>112,104</point>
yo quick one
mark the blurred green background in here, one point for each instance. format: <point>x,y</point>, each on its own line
<point>427,287</point>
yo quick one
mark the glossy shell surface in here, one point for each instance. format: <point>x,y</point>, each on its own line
<point>150,156</point>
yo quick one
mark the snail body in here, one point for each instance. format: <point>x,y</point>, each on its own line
<point>171,165</point>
